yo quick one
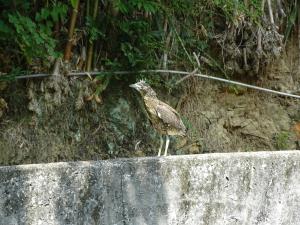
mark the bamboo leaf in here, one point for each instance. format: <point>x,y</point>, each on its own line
<point>74,3</point>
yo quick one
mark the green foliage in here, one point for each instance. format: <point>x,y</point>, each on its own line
<point>16,71</point>
<point>112,65</point>
<point>5,30</point>
<point>137,41</point>
<point>74,3</point>
<point>133,54</point>
<point>34,36</point>
<point>233,10</point>
<point>52,14</point>
<point>133,34</point>
<point>291,20</point>
<point>281,140</point>
<point>127,7</point>
<point>92,29</point>
<point>104,81</point>
<point>32,40</point>
<point>27,34</point>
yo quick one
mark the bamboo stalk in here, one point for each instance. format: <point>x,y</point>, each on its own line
<point>69,45</point>
<point>91,42</point>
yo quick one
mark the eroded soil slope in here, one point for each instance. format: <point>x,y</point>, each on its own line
<point>56,120</point>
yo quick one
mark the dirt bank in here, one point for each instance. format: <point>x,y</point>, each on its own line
<point>53,121</point>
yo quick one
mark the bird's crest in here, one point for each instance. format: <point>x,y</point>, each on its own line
<point>144,88</point>
<point>142,81</point>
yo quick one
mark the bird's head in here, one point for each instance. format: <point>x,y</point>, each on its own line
<point>143,88</point>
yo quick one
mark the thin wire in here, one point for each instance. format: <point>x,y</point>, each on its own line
<point>166,71</point>
<point>38,75</point>
<point>234,82</point>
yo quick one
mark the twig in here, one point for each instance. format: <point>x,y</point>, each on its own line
<point>259,49</point>
<point>182,44</point>
<point>97,129</point>
<point>270,12</point>
<point>188,76</point>
<point>56,67</point>
<point>197,59</point>
<point>280,9</point>
<point>167,41</point>
<point>192,73</point>
<point>263,5</point>
<point>137,145</point>
<point>245,59</point>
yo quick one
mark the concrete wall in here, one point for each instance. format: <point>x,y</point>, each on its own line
<point>261,188</point>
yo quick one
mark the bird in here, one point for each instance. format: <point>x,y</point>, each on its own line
<point>163,118</point>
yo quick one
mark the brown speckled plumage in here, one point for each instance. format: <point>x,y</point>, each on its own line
<point>163,117</point>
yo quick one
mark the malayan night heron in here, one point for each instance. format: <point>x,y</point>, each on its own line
<point>163,117</point>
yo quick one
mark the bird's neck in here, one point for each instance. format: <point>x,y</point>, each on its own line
<point>150,94</point>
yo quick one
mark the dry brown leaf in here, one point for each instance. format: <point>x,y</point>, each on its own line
<point>89,98</point>
<point>297,130</point>
<point>98,99</point>
<point>3,85</point>
<point>3,104</point>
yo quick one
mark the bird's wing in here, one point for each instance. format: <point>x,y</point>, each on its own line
<point>169,116</point>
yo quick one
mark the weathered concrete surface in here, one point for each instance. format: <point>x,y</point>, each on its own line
<point>259,188</point>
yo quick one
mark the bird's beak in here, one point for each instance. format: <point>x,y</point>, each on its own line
<point>135,86</point>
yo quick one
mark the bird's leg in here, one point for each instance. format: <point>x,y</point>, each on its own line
<point>161,145</point>
<point>167,145</point>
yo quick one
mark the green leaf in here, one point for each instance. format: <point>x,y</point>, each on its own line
<point>54,14</point>
<point>123,8</point>
<point>44,13</point>
<point>74,3</point>
<point>4,29</point>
